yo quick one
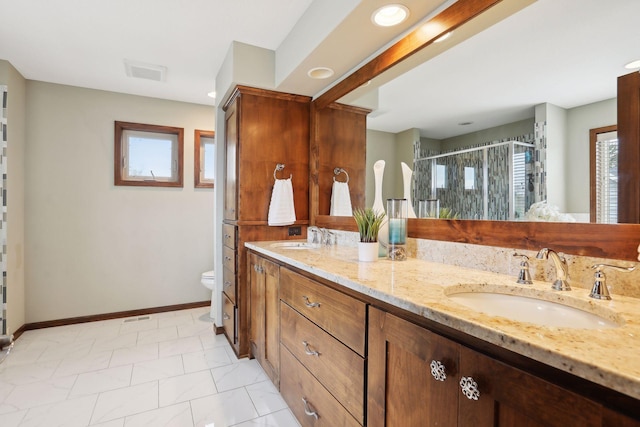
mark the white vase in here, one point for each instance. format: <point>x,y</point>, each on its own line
<point>367,251</point>
<point>378,207</point>
<point>406,178</point>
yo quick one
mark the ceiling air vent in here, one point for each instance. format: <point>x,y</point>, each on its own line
<point>145,71</point>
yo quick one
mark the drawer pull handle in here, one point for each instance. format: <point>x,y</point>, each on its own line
<point>309,410</point>
<point>225,316</point>
<point>227,283</point>
<point>308,350</point>
<point>309,303</point>
<point>437,370</point>
<point>227,236</point>
<point>258,268</point>
<point>469,388</point>
<point>227,258</point>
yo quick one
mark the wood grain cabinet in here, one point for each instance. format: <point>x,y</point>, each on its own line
<point>264,283</point>
<point>322,371</point>
<point>415,378</point>
<point>262,129</point>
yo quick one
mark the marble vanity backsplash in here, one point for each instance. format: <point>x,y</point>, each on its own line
<point>501,260</point>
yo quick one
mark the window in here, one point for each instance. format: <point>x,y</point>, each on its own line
<point>204,158</point>
<point>148,155</point>
<point>441,176</point>
<point>469,178</point>
<point>604,175</point>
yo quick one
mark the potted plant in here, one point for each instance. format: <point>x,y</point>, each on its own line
<point>369,223</point>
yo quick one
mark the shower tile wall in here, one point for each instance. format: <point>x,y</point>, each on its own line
<point>468,203</point>
<point>3,222</point>
<point>540,165</point>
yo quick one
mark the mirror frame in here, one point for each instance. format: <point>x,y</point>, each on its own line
<point>616,241</point>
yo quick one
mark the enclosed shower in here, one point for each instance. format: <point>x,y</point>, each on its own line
<point>495,181</point>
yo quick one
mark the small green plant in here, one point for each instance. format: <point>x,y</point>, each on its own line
<point>447,213</point>
<point>369,223</point>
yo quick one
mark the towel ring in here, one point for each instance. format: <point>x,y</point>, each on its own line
<point>278,168</point>
<point>338,171</point>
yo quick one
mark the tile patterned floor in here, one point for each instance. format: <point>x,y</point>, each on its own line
<point>167,370</point>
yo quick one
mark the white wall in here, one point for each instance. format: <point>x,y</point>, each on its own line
<point>92,247</point>
<point>16,125</point>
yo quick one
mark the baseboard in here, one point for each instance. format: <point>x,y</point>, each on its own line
<point>19,332</point>
<point>108,316</point>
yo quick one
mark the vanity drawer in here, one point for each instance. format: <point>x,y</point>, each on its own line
<point>229,259</point>
<point>337,313</point>
<point>229,235</point>
<point>298,386</point>
<point>335,365</point>
<point>229,319</point>
<point>229,284</point>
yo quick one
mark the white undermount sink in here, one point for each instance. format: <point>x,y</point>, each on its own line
<point>294,245</point>
<point>532,310</point>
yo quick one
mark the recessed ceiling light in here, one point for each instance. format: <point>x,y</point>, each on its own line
<point>633,64</point>
<point>212,94</point>
<point>443,37</point>
<point>390,15</point>
<point>320,73</point>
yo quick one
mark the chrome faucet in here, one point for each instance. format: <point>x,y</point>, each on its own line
<point>562,269</point>
<point>321,236</point>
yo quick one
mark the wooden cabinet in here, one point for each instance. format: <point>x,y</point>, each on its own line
<point>264,277</point>
<point>405,359</point>
<point>401,390</point>
<point>322,371</point>
<point>262,129</point>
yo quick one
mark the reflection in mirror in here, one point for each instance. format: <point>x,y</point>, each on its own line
<point>544,76</point>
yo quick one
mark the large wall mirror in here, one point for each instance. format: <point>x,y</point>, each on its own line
<point>543,73</point>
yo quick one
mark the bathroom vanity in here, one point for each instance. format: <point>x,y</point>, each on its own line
<point>383,344</point>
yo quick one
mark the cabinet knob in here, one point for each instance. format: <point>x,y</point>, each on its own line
<point>309,410</point>
<point>225,316</point>
<point>308,349</point>
<point>437,370</point>
<point>309,303</point>
<point>469,388</point>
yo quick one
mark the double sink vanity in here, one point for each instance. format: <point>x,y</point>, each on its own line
<point>413,343</point>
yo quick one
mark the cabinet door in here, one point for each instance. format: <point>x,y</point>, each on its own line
<point>510,397</point>
<point>401,388</point>
<point>231,170</point>
<point>265,314</point>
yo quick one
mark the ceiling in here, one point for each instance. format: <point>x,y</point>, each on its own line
<point>85,42</point>
<point>567,52</point>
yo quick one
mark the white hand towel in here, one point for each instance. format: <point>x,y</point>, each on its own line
<point>340,199</point>
<point>281,208</point>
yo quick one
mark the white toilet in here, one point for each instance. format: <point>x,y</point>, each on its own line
<point>208,279</point>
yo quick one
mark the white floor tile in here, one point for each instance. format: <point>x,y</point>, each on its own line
<point>179,320</point>
<point>223,409</point>
<point>138,325</point>
<point>66,350</point>
<point>130,355</point>
<point>12,419</point>
<point>212,340</point>
<point>179,346</point>
<point>157,335</point>
<point>40,393</point>
<point>114,342</point>
<point>70,413</point>
<point>172,416</point>
<point>157,369</point>
<point>266,397</point>
<point>102,380</point>
<point>238,374</point>
<point>99,330</point>
<point>5,389</point>
<point>207,359</point>
<point>90,362</point>
<point>113,423</point>
<point>282,418</point>
<point>198,328</point>
<point>183,388</point>
<point>25,374</point>
<point>125,401</point>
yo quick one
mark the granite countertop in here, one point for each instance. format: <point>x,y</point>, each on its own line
<point>608,356</point>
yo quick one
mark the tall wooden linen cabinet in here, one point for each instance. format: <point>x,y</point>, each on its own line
<point>262,129</point>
